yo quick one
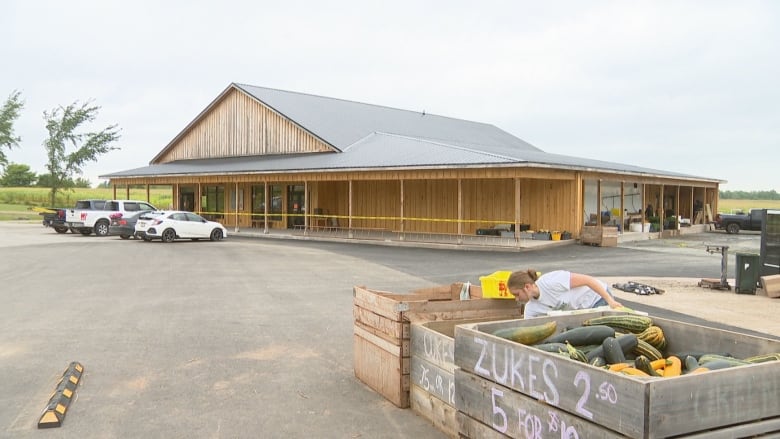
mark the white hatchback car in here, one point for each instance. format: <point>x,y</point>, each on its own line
<point>170,225</point>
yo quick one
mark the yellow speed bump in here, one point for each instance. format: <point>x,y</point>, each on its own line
<point>54,413</point>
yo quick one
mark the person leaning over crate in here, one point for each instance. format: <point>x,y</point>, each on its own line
<point>558,291</point>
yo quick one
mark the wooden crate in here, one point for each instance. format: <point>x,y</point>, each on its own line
<point>520,391</point>
<point>381,341</point>
<point>433,372</point>
<point>602,236</point>
<point>771,285</point>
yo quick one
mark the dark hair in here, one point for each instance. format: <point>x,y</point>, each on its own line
<point>518,279</point>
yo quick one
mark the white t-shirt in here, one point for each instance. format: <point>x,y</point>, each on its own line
<point>556,294</point>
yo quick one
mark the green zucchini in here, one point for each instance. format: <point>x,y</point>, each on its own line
<point>763,358</point>
<point>706,359</point>
<point>627,344</point>
<point>721,364</point>
<point>551,347</point>
<point>583,335</point>
<point>613,352</point>
<point>528,335</point>
<point>691,363</point>
<point>643,363</point>
<point>629,322</point>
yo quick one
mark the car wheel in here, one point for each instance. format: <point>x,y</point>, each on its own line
<point>168,235</point>
<point>732,228</point>
<point>216,235</point>
<point>61,229</point>
<point>124,236</point>
<point>101,228</point>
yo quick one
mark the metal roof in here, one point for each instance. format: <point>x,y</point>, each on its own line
<point>342,123</point>
<point>376,137</point>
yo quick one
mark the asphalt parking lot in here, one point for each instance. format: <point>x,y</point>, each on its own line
<point>241,338</point>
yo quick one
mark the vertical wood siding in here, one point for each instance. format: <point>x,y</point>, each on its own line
<point>240,126</point>
<point>434,200</point>
<point>375,204</point>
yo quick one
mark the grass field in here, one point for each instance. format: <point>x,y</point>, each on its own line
<point>731,206</point>
<point>17,203</point>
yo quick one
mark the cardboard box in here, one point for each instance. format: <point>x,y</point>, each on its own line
<point>771,285</point>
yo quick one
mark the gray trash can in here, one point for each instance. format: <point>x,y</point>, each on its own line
<point>748,270</point>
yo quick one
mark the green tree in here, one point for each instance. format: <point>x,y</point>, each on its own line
<point>46,180</point>
<point>82,182</point>
<point>8,114</point>
<point>17,175</point>
<point>62,123</point>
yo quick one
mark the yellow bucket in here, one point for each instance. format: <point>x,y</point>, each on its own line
<point>494,285</point>
<point>556,236</point>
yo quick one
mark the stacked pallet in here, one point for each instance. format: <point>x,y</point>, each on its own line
<point>602,236</point>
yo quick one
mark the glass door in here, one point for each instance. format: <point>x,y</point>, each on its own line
<point>296,197</point>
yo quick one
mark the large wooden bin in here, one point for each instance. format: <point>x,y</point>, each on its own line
<point>382,335</point>
<point>602,236</point>
<point>506,389</point>
<point>432,391</point>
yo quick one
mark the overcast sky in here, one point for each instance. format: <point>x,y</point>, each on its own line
<point>685,86</point>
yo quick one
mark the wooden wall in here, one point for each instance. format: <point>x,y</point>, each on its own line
<point>431,206</point>
<point>547,205</point>
<point>238,125</point>
<point>430,201</point>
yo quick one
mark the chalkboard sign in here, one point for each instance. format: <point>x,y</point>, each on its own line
<point>770,243</point>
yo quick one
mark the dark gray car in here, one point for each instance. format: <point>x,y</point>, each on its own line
<point>124,226</point>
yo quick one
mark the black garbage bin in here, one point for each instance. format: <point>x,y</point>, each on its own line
<point>748,270</point>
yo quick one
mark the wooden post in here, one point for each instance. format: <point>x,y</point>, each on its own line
<point>148,196</point>
<point>265,207</point>
<point>403,223</point>
<point>517,209</point>
<point>237,206</point>
<point>349,204</point>
<point>127,191</point>
<point>306,211</point>
<point>644,206</point>
<point>598,202</point>
<point>460,211</point>
<point>622,206</point>
<point>677,208</point>
<point>661,210</point>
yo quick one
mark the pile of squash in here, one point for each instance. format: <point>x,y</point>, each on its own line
<point>629,344</point>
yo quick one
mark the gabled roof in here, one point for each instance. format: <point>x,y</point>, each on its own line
<point>342,123</point>
<point>366,136</point>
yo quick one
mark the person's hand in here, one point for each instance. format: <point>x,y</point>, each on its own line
<point>615,304</point>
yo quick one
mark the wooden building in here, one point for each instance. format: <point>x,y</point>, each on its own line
<point>273,159</point>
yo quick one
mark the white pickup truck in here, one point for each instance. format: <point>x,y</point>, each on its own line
<point>90,216</point>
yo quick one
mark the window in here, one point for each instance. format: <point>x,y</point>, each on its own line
<point>213,201</point>
<point>276,202</point>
